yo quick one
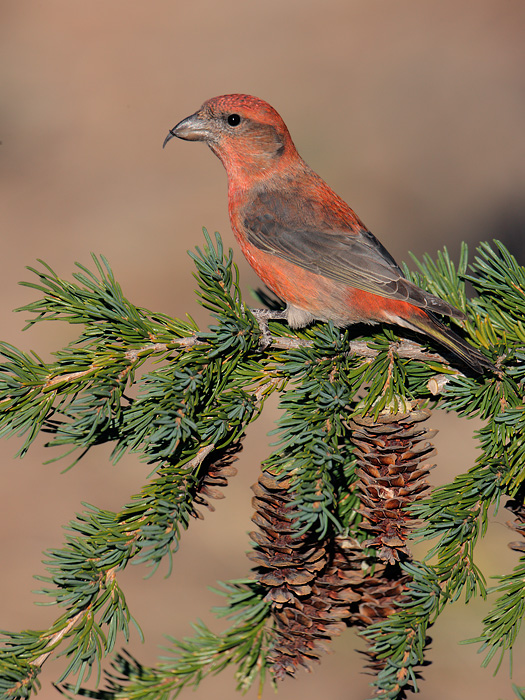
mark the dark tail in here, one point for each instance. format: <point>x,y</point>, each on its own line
<point>429,325</point>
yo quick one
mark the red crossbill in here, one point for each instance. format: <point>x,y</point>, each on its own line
<point>304,242</point>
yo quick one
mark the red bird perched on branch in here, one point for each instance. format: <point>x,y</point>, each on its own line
<point>301,238</point>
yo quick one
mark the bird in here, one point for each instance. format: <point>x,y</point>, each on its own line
<point>305,242</point>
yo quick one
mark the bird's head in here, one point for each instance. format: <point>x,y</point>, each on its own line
<point>246,133</point>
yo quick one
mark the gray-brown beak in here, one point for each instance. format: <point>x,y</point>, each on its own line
<point>193,128</point>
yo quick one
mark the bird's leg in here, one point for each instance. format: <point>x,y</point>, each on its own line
<point>262,316</point>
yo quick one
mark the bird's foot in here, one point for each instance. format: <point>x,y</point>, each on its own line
<point>262,316</point>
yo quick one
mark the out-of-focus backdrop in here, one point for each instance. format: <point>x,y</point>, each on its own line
<point>414,112</point>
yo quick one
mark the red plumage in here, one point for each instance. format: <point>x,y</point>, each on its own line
<point>301,238</point>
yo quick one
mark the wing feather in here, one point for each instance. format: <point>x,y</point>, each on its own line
<point>351,255</point>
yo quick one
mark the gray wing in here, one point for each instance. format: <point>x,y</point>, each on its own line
<point>354,256</point>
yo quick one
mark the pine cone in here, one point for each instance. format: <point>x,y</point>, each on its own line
<point>214,477</point>
<point>389,451</point>
<point>309,596</point>
<point>377,587</point>
<point>317,588</point>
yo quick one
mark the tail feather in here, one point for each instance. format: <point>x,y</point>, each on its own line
<point>429,325</point>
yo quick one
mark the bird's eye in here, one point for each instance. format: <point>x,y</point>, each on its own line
<point>234,119</point>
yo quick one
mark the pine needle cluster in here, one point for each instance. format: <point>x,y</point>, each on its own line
<point>336,506</point>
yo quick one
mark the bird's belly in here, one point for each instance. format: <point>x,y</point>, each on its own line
<point>325,299</point>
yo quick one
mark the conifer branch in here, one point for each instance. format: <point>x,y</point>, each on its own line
<point>315,505</point>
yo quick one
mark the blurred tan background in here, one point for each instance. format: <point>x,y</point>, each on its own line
<point>413,112</point>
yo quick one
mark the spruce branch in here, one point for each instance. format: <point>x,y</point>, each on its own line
<point>502,624</point>
<point>401,638</point>
<point>188,661</point>
<point>195,393</point>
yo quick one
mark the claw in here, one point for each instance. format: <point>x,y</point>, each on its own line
<point>262,316</point>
